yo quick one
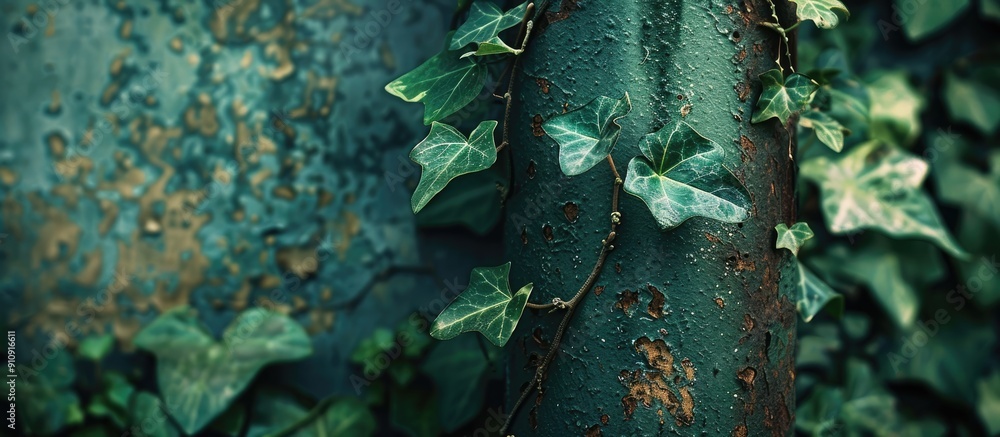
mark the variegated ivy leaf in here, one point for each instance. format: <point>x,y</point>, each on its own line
<point>485,22</point>
<point>876,186</point>
<point>198,376</point>
<point>828,130</point>
<point>821,12</point>
<point>814,295</point>
<point>487,306</point>
<point>681,175</point>
<point>792,238</point>
<point>882,272</point>
<point>444,84</point>
<point>783,97</point>
<point>446,154</point>
<point>895,108</point>
<point>587,134</point>
<point>494,46</point>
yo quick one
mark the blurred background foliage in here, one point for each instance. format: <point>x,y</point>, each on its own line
<point>234,171</point>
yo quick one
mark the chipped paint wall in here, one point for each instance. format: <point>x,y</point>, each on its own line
<point>222,154</point>
<point>686,332</point>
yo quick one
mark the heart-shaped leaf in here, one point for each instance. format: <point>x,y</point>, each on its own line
<point>814,295</point>
<point>444,84</point>
<point>198,376</point>
<point>929,17</point>
<point>895,108</point>
<point>878,187</point>
<point>828,130</point>
<point>487,306</point>
<point>485,22</point>
<point>446,154</point>
<point>821,12</point>
<point>682,175</point>
<point>587,134</point>
<point>782,97</point>
<point>792,238</point>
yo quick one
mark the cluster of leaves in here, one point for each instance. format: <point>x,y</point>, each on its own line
<point>423,388</point>
<point>910,351</point>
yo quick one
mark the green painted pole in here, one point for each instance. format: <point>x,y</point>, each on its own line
<point>685,332</point>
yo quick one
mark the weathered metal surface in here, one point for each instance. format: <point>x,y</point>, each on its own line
<point>686,332</point>
<point>160,153</point>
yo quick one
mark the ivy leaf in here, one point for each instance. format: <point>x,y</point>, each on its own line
<point>459,369</point>
<point>828,130</point>
<point>147,405</point>
<point>487,306</point>
<point>989,402</point>
<point>446,154</point>
<point>929,17</point>
<point>878,187</point>
<point>792,238</point>
<point>493,46</point>
<point>965,186</point>
<point>198,376</point>
<point>472,200</point>
<point>814,294</point>
<point>485,22</point>
<point>895,108</point>
<point>682,175</point>
<point>587,134</point>
<point>444,84</point>
<point>821,12</point>
<point>274,411</point>
<point>972,102</point>
<point>783,97</point>
<point>94,348</point>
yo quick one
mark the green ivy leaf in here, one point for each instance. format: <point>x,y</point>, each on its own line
<point>114,401</point>
<point>965,186</point>
<point>895,108</point>
<point>821,12</point>
<point>972,102</point>
<point>814,295</point>
<point>878,187</point>
<point>459,369</point>
<point>94,348</point>
<point>587,135</point>
<point>783,97</point>
<point>487,306</point>
<point>928,17</point>
<point>444,84</point>
<point>493,46</point>
<point>485,22</point>
<point>792,238</point>
<point>988,405</point>
<point>147,405</point>
<point>472,200</point>
<point>199,377</point>
<point>446,154</point>
<point>828,130</point>
<point>681,175</point>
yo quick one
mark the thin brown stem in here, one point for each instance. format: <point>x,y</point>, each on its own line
<point>606,247</point>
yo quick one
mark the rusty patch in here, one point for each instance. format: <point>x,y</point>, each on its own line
<point>650,386</point>
<point>605,419</point>
<point>598,290</point>
<point>745,265</point>
<point>572,211</point>
<point>626,300</point>
<point>747,145</point>
<point>746,376</point>
<point>740,431</point>
<point>536,125</point>
<point>547,232</point>
<point>531,170</point>
<point>742,90</point>
<point>543,84</point>
<point>618,267</point>
<point>721,303</point>
<point>686,109</point>
<point>594,431</point>
<point>655,307</point>
<point>758,48</point>
<point>712,238</point>
<point>741,55</point>
<point>564,11</point>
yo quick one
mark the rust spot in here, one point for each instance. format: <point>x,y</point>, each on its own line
<point>564,11</point>
<point>524,236</point>
<point>531,169</point>
<point>747,145</point>
<point>598,290</point>
<point>594,431</point>
<point>745,265</point>
<point>652,386</point>
<point>680,97</point>
<point>742,90</point>
<point>655,307</point>
<point>572,211</point>
<point>741,55</point>
<point>618,267</point>
<point>747,323</point>
<point>721,303</point>
<point>740,431</point>
<point>536,125</point>
<point>758,48</point>
<point>626,300</point>
<point>712,238</point>
<point>746,376</point>
<point>547,232</point>
<point>605,419</point>
<point>543,84</point>
<point>737,37</point>
<point>686,109</point>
